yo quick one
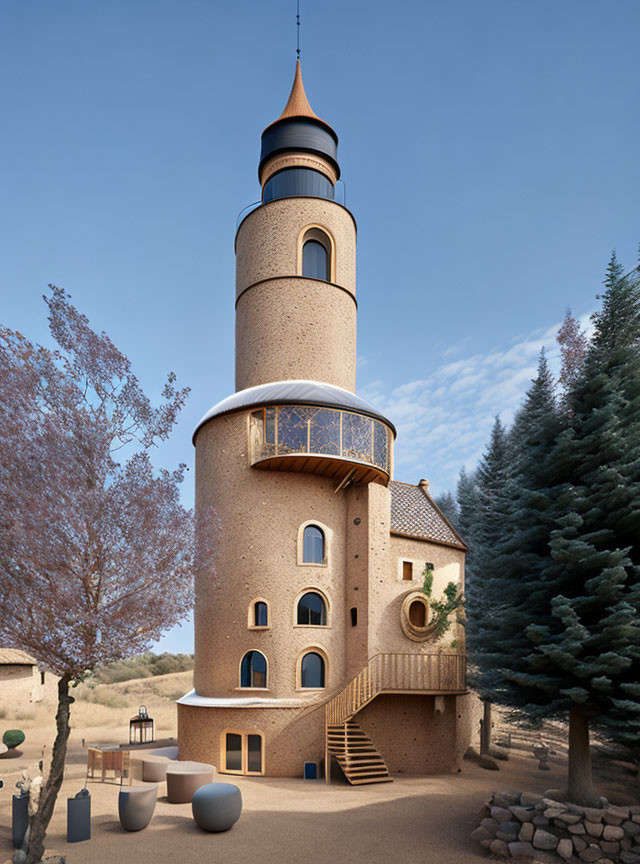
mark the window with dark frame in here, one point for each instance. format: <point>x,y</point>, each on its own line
<point>253,670</point>
<point>260,614</point>
<point>315,260</point>
<point>312,610</point>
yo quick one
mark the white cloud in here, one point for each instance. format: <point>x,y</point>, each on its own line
<point>444,420</point>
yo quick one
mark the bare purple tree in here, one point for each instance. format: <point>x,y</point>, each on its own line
<point>96,550</point>
<point>573,344</point>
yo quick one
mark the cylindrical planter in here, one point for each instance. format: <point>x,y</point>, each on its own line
<point>20,818</point>
<point>78,819</point>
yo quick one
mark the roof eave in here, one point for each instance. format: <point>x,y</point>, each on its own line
<point>461,547</point>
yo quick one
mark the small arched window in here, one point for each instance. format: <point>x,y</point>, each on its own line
<point>315,260</point>
<point>259,614</point>
<point>316,251</point>
<point>312,670</point>
<point>313,551</point>
<point>312,609</point>
<point>253,670</point>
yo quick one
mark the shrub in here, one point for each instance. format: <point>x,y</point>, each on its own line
<point>13,738</point>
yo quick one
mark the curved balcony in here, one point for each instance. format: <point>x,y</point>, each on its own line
<point>329,441</point>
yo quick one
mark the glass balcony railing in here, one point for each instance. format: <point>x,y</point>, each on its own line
<point>340,198</point>
<point>319,433</point>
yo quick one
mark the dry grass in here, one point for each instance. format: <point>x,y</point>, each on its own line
<point>108,707</point>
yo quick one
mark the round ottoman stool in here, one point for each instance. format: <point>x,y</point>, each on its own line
<point>216,806</point>
<point>154,768</point>
<point>183,778</point>
<point>136,806</point>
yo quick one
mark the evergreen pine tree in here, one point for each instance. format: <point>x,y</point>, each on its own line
<point>483,528</point>
<point>522,553</point>
<point>467,501</point>
<point>584,625</point>
<point>448,506</point>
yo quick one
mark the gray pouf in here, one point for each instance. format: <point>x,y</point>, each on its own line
<point>216,806</point>
<point>136,806</point>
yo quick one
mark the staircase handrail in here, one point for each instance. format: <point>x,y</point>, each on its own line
<point>432,672</point>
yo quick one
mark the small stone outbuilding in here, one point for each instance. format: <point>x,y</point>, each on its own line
<point>21,679</point>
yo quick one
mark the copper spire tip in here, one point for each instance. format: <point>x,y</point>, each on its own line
<point>298,104</point>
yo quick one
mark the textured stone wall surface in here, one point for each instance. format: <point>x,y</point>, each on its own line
<point>292,736</point>
<point>260,513</point>
<point>267,244</point>
<point>518,824</point>
<point>387,591</point>
<point>412,735</point>
<point>18,685</point>
<point>294,328</point>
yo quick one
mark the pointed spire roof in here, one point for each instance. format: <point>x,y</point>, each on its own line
<point>298,104</point>
<point>299,129</point>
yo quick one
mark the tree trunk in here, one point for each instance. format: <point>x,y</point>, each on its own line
<point>48,795</point>
<point>485,729</point>
<point>580,790</point>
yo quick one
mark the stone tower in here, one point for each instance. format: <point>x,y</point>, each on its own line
<point>287,326</point>
<point>309,590</point>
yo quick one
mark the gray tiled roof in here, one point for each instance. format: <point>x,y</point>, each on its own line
<point>414,512</point>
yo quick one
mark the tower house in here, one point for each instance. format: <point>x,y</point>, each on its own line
<point>313,640</point>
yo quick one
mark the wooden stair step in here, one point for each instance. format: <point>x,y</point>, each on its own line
<point>370,775</point>
<point>378,768</point>
<point>387,779</point>
<point>356,754</point>
<point>368,760</point>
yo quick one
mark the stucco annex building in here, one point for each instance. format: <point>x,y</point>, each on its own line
<point>314,638</point>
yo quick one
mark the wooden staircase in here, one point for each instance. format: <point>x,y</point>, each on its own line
<point>356,754</point>
<point>354,751</point>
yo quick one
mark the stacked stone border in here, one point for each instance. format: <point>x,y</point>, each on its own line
<point>521,824</point>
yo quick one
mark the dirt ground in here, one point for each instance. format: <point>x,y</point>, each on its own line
<point>414,819</point>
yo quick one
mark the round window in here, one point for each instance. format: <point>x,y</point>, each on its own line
<point>414,617</point>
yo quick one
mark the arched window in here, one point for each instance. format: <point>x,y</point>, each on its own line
<point>312,670</point>
<point>315,260</point>
<point>316,253</point>
<point>312,609</point>
<point>253,670</point>
<point>259,615</point>
<point>313,545</point>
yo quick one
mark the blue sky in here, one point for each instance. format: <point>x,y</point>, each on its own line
<point>490,153</point>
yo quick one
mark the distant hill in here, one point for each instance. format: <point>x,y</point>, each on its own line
<point>143,666</point>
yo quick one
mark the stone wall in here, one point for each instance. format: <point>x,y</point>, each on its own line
<point>517,824</point>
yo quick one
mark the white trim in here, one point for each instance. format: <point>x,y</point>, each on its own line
<point>192,698</point>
